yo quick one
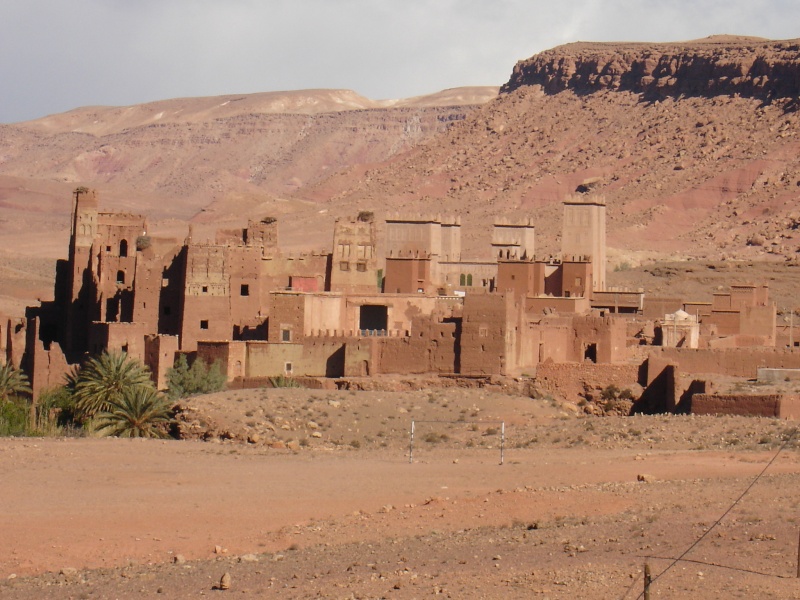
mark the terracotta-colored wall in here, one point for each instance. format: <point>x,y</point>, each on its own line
<point>159,356</point>
<point>755,405</point>
<point>743,362</point>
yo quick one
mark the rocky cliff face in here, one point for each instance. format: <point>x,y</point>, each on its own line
<point>719,65</point>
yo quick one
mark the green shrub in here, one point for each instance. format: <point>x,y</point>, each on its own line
<point>281,381</point>
<point>183,380</point>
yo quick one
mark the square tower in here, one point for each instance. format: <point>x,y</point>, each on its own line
<point>513,240</point>
<point>584,235</point>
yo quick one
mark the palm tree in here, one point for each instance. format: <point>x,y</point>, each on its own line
<point>138,412</point>
<point>13,382</point>
<point>104,379</point>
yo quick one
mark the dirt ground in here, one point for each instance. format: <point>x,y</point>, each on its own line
<point>346,515</point>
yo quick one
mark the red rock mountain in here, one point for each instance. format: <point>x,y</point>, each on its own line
<point>694,145</point>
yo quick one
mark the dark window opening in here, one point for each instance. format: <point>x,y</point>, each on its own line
<point>108,248</point>
<point>286,335</point>
<point>120,276</point>
<point>469,280</point>
<point>205,289</point>
<point>245,290</point>
<point>373,317</point>
<point>287,367</point>
<point>362,267</point>
<point>462,280</point>
<point>204,324</point>
<point>590,353</point>
<point>123,248</point>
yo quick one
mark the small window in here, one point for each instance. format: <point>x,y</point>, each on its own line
<point>204,324</point>
<point>108,248</point>
<point>245,289</point>
<point>483,331</point>
<point>361,267</point>
<point>469,280</point>
<point>123,248</point>
<point>286,335</point>
<point>344,266</point>
<point>287,368</point>
<point>120,276</point>
<point>578,282</point>
<point>205,289</point>
<point>164,281</point>
<point>463,279</point>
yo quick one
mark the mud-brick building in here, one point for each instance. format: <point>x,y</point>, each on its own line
<point>240,300</point>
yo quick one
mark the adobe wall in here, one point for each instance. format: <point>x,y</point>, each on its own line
<point>12,340</point>
<point>548,304</point>
<point>159,356</point>
<point>608,334</point>
<point>431,348</point>
<point>407,275</point>
<point>570,380</point>
<point>488,345</point>
<point>46,368</point>
<point>311,358</point>
<point>656,308</point>
<point>118,337</point>
<point>576,278</point>
<point>231,357</point>
<point>355,261</point>
<point>287,314</point>
<point>518,278</point>
<point>483,274</point>
<point>742,362</point>
<point>158,300</point>
<point>751,405</point>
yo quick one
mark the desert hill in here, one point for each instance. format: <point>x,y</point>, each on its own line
<point>693,144</point>
<point>708,167</point>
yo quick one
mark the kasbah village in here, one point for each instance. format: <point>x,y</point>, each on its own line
<point>215,414</point>
<point>408,304</point>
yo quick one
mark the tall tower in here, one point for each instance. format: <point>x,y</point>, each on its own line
<point>81,308</point>
<point>584,235</point>
<point>354,265</point>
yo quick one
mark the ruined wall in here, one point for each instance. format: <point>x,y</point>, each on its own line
<point>12,340</point>
<point>571,380</point>
<point>46,367</point>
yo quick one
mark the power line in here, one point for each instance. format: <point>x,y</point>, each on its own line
<point>682,558</point>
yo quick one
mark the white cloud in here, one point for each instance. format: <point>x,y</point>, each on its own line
<point>57,55</point>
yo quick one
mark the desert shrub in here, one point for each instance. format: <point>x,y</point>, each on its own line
<point>14,417</point>
<point>281,381</point>
<point>183,380</point>
<point>366,216</point>
<point>434,437</point>
<point>143,242</point>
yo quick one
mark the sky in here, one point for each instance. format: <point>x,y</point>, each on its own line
<point>56,55</point>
